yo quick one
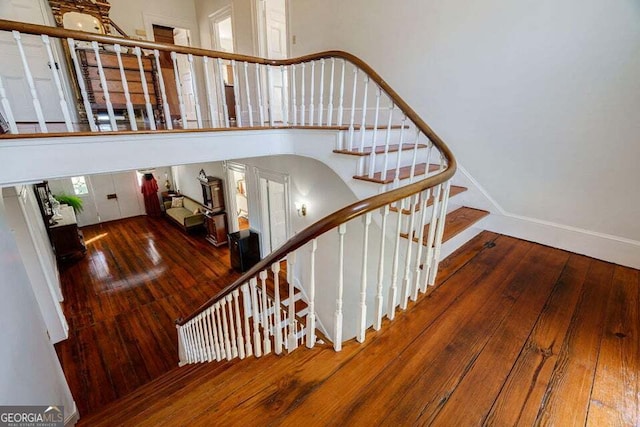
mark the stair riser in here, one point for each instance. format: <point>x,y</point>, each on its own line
<point>381,134</point>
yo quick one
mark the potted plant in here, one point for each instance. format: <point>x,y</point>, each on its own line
<point>74,201</point>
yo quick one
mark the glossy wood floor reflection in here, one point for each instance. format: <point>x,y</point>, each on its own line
<point>121,301</point>
<point>515,333</point>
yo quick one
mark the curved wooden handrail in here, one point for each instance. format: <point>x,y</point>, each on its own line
<point>327,223</point>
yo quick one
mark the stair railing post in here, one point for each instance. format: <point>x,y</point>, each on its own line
<point>125,87</point>
<point>440,234</point>
<point>145,90</point>
<point>294,95</point>
<point>275,269</point>
<point>292,343</point>
<point>341,98</point>
<point>255,313</point>
<point>265,313</point>
<point>248,92</point>
<point>55,74</point>
<point>331,84</point>
<point>362,320</point>
<point>236,93</point>
<point>178,81</point>
<point>337,343</point>
<point>246,305</point>
<point>353,107</point>
<point>379,298</point>
<point>393,290</point>
<point>311,315</point>
<point>312,91</point>
<point>259,94</point>
<point>163,92</point>
<point>105,89</point>
<point>30,82</point>
<point>223,95</point>
<point>321,97</point>
<point>6,106</point>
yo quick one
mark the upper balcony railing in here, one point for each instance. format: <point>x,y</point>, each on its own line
<point>119,85</point>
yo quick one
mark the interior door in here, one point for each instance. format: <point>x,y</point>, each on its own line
<point>103,190</point>
<point>275,41</point>
<point>273,210</point>
<point>12,71</point>
<point>130,200</point>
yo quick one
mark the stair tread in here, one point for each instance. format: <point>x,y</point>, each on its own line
<point>405,172</point>
<point>455,190</point>
<point>455,223</point>
<point>379,149</point>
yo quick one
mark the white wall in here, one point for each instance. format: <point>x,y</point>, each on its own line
<point>538,101</point>
<point>186,178</point>
<point>37,256</point>
<point>30,373</point>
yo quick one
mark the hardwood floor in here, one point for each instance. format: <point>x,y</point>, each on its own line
<point>121,301</point>
<point>513,333</point>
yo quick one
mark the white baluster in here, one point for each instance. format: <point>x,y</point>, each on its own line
<point>187,345</point>
<point>270,96</point>
<point>239,336</point>
<point>362,323</point>
<point>145,90</point>
<point>6,106</point>
<point>176,74</point>
<point>201,351</point>
<point>210,96</point>
<point>302,94</point>
<point>312,92</point>
<point>431,236</point>
<point>165,104</point>
<point>190,344</point>
<point>236,93</point>
<point>372,156</point>
<point>294,102</point>
<point>223,94</point>
<point>393,290</point>
<point>81,84</point>
<point>311,316</point>
<point>259,92</point>
<point>414,160</point>
<point>105,89</point>
<point>213,328</point>
<point>337,344</point>
<point>125,88</point>
<point>232,329</point>
<point>283,96</point>
<point>440,233</point>
<point>387,141</point>
<point>413,201</point>
<point>321,100</point>
<point>255,312</point>
<point>55,73</point>
<point>353,107</point>
<point>207,338</point>
<point>246,304</point>
<point>396,179</point>
<point>330,104</point>
<point>363,126</point>
<point>341,102</point>
<point>194,88</point>
<point>224,350</point>
<point>265,313</point>
<point>291,260</point>
<point>423,218</point>
<point>379,298</point>
<point>246,84</point>
<point>225,327</point>
<point>32,87</point>
<point>275,268</point>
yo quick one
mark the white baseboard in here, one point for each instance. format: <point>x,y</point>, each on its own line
<point>602,246</point>
<point>73,417</point>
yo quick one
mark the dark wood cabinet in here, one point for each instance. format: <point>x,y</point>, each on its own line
<point>244,250</point>
<point>212,193</point>
<point>216,225</point>
<point>66,238</point>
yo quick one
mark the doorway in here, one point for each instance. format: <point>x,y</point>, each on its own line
<point>273,200</point>
<point>238,196</point>
<point>181,37</point>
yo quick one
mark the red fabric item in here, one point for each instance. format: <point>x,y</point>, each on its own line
<point>150,192</point>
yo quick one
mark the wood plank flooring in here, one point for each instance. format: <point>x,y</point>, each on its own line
<point>513,333</point>
<point>121,301</point>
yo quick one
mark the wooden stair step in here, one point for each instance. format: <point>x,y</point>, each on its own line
<point>456,222</point>
<point>405,172</point>
<point>393,148</point>
<point>455,190</point>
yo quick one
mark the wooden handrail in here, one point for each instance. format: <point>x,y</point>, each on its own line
<point>327,223</point>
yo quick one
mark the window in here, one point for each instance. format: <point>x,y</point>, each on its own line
<point>79,185</point>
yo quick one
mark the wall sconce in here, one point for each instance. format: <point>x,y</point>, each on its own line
<point>301,208</point>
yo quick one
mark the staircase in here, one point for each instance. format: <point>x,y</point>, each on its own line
<point>336,280</point>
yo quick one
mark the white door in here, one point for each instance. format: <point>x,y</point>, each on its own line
<point>274,210</point>
<point>107,206</point>
<point>273,41</point>
<point>12,71</point>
